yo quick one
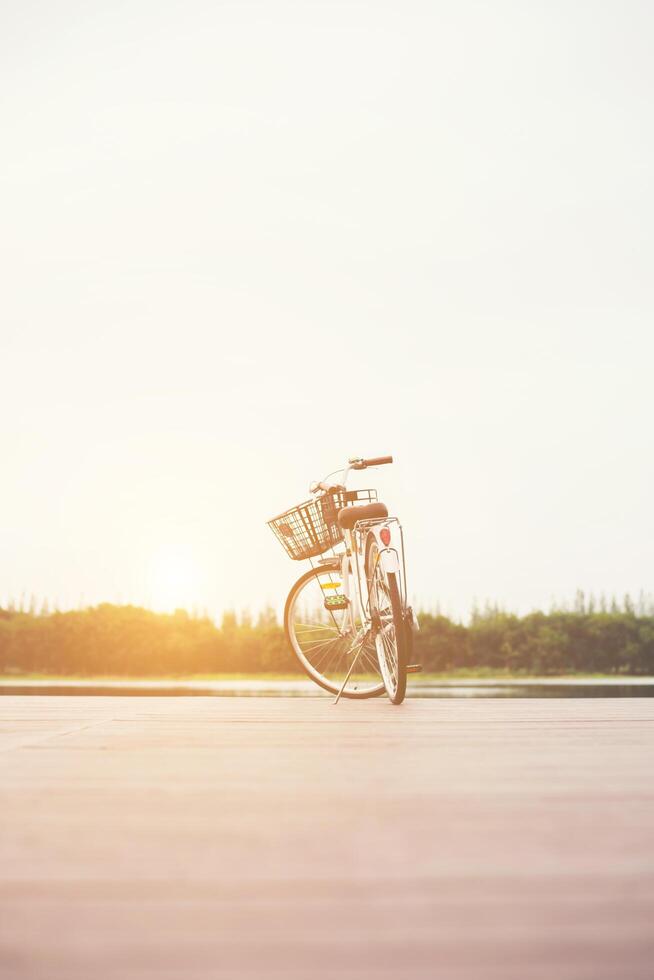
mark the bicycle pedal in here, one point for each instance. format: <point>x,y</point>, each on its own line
<point>332,602</point>
<point>414,668</point>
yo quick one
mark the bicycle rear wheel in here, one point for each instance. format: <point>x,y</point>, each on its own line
<point>318,628</point>
<point>387,623</point>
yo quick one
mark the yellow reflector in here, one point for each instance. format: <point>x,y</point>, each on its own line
<point>330,585</point>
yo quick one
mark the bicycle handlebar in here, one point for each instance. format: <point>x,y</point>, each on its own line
<point>362,464</point>
<point>353,464</point>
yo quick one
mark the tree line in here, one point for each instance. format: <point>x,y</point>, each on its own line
<point>131,641</point>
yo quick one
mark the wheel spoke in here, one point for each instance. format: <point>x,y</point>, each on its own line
<point>314,626</point>
<point>316,644</point>
<point>389,645</point>
<point>328,658</point>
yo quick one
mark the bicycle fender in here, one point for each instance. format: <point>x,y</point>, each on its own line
<point>389,560</point>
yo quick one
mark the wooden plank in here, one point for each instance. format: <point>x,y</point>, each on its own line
<point>255,837</point>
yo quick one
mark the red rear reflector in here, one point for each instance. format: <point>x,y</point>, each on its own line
<point>385,535</point>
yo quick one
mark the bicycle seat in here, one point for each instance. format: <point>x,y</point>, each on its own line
<point>348,516</point>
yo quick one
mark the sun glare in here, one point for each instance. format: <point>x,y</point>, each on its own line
<point>174,581</point>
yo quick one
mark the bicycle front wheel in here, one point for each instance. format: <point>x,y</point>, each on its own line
<point>388,626</point>
<point>319,629</point>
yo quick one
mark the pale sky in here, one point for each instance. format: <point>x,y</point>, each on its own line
<point>244,241</point>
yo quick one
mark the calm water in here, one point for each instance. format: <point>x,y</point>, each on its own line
<point>613,688</point>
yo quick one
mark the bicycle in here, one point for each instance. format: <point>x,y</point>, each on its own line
<point>347,618</point>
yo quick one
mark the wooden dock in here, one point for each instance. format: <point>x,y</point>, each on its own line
<point>212,838</point>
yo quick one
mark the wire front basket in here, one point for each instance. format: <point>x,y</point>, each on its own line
<point>311,528</point>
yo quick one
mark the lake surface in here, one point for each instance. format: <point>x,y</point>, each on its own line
<point>260,687</point>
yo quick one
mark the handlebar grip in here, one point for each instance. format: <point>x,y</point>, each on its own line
<point>378,461</point>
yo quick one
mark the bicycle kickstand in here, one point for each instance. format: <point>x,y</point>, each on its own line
<point>347,676</point>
